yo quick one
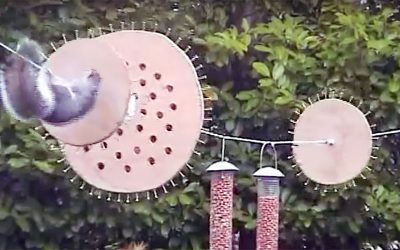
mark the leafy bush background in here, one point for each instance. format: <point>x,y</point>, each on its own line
<point>263,58</point>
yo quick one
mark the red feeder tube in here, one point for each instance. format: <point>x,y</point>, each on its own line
<point>221,205</point>
<point>267,208</point>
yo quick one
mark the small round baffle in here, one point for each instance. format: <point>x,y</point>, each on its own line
<point>350,145</point>
<point>71,61</point>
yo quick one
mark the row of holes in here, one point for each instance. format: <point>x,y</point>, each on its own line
<point>101,165</point>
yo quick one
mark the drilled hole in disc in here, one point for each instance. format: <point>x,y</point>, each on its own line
<point>168,150</point>
<point>120,132</point>
<point>142,66</point>
<point>172,106</point>
<point>100,165</point>
<point>86,148</point>
<point>168,127</point>
<point>157,76</point>
<point>118,155</point>
<point>160,114</point>
<point>142,82</point>
<point>126,63</point>
<point>153,96</point>
<point>104,145</point>
<point>153,138</point>
<point>170,88</point>
<point>139,128</point>
<point>127,168</point>
<point>152,161</point>
<point>136,150</point>
<point>143,111</point>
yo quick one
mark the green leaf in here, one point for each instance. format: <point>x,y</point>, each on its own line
<point>251,224</point>
<point>172,199</point>
<point>265,82</point>
<point>22,222</point>
<point>262,69</point>
<point>277,71</point>
<point>10,149</point>
<point>245,25</point>
<point>394,85</point>
<point>185,199</point>
<point>18,162</point>
<point>44,166</point>
<point>4,213</point>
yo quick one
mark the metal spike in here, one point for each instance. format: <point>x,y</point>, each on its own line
<point>353,183</point>
<point>307,182</point>
<point>111,27</point>
<point>148,195</point>
<point>122,25</point>
<point>76,34</point>
<point>291,132</point>
<point>200,66</point>
<point>61,160</point>
<point>201,141</point>
<point>363,176</point>
<point>318,97</point>
<point>172,183</point>
<point>373,157</point>
<point>194,58</point>
<point>168,32</point>
<point>119,198</point>
<point>361,102</point>
<point>297,112</point>
<point>335,190</point>
<point>309,100</point>
<point>132,25</point>
<point>294,166</point>
<point>155,27</point>
<point>299,173</point>
<point>197,153</point>
<point>351,98</point>
<point>99,195</point>
<point>290,157</point>
<point>100,30</point>
<point>208,119</point>
<point>294,122</point>
<point>208,99</point>
<point>108,197</point>
<point>53,46</point>
<point>64,38</point>
<point>37,128</point>
<point>90,33</point>
<point>67,169</point>
<point>165,189</point>
<point>204,77</point>
<point>368,113</point>
<point>136,197</point>
<point>128,199</point>
<point>375,148</point>
<point>341,95</point>
<point>368,169</point>
<point>178,40</point>
<point>144,25</point>
<point>82,186</point>
<point>187,49</point>
<point>91,191</point>
<point>155,193</point>
<point>189,166</point>
<point>316,187</point>
<point>373,126</point>
<point>73,179</point>
<point>208,109</point>
<point>304,105</point>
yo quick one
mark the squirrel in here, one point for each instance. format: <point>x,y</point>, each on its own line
<point>29,91</point>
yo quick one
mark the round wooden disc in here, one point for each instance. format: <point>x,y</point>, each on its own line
<point>151,148</point>
<point>347,126</point>
<point>70,62</point>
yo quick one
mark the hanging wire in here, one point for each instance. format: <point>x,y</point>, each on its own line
<point>261,154</point>
<point>223,149</point>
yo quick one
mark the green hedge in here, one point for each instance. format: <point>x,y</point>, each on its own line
<point>263,63</point>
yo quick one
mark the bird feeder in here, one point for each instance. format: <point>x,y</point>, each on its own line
<point>267,208</point>
<point>221,205</point>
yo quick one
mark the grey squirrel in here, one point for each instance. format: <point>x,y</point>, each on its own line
<point>30,92</point>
